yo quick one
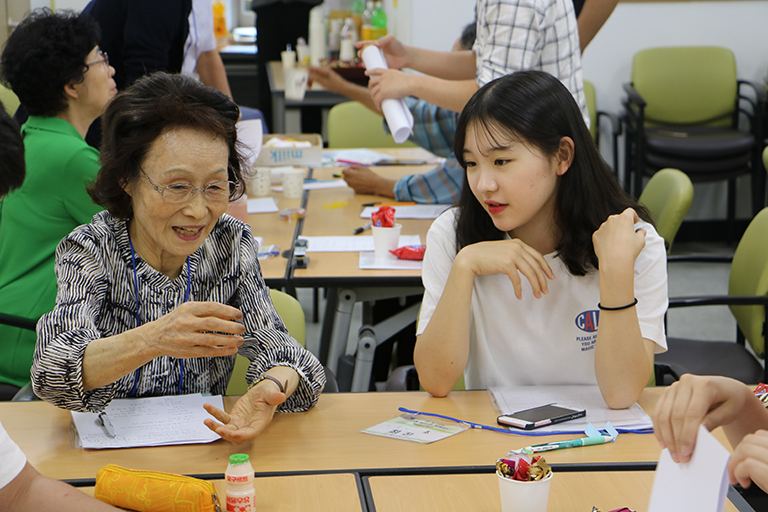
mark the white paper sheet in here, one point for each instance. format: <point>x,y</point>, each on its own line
<point>154,421</point>
<point>355,243</point>
<point>700,484</point>
<point>416,211</point>
<point>262,205</point>
<point>509,400</point>
<point>368,261</point>
<point>399,118</point>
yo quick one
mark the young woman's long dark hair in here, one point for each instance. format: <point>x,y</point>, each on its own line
<point>535,107</point>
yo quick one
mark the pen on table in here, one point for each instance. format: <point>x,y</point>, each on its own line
<point>338,175</point>
<point>107,424</point>
<point>401,203</point>
<point>362,228</point>
<point>573,443</point>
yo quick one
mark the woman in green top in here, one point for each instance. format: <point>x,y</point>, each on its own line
<point>54,65</point>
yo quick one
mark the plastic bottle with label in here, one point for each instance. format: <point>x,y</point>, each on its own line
<point>219,20</point>
<point>241,495</point>
<point>348,40</point>
<point>366,31</point>
<point>379,22</point>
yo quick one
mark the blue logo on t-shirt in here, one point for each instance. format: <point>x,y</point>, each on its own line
<point>587,320</point>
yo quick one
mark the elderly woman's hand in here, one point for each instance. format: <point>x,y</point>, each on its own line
<point>197,329</point>
<point>253,412</point>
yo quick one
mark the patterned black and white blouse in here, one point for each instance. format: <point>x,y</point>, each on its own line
<point>96,299</point>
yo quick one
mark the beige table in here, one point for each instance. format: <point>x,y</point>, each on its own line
<point>319,493</point>
<point>569,492</point>
<point>325,438</point>
<point>347,284</point>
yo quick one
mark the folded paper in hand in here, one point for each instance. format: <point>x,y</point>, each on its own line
<point>399,118</point>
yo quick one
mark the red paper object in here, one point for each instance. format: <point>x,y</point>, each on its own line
<point>410,252</point>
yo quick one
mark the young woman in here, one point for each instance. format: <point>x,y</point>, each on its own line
<point>546,246</point>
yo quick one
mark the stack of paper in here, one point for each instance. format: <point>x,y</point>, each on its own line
<point>509,400</point>
<point>151,421</point>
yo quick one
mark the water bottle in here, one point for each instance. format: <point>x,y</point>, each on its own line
<point>366,31</point>
<point>241,495</point>
<point>348,40</point>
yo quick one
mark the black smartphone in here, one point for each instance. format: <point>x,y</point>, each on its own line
<point>541,416</point>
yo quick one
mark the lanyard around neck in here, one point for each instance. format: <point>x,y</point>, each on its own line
<point>138,304</point>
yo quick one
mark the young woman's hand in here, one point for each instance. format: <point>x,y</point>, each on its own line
<point>395,52</point>
<point>510,257</point>
<point>328,78</point>
<point>617,240</point>
<point>692,401</point>
<point>749,461</point>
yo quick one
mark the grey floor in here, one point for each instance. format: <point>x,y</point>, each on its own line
<point>685,279</point>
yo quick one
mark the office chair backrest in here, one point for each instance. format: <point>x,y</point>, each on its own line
<point>589,94</point>
<point>749,276</point>
<point>291,312</point>
<point>352,125</point>
<point>687,85</point>
<point>9,99</point>
<point>668,196</point>
<point>765,158</point>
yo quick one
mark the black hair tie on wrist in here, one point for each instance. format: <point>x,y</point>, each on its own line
<point>603,308</point>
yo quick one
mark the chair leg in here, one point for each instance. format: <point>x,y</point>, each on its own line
<point>731,210</point>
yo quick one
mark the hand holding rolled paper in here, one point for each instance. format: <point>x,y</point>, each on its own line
<point>399,118</point>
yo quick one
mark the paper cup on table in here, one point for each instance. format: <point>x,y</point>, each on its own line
<point>296,83</point>
<point>385,240</point>
<point>261,182</point>
<point>517,496</point>
<point>293,182</point>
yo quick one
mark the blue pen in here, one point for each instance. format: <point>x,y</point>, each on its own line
<point>573,443</point>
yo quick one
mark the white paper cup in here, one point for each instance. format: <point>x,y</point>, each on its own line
<point>517,496</point>
<point>293,183</point>
<point>385,240</point>
<point>261,183</point>
<point>289,59</point>
<point>296,83</point>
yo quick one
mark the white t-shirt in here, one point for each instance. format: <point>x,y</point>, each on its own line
<point>547,341</point>
<point>12,459</point>
<point>201,38</point>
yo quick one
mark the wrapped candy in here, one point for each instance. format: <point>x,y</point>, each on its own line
<point>410,252</point>
<point>384,217</point>
<point>518,465</point>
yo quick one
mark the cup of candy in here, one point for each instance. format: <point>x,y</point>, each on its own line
<point>524,482</point>
<point>386,233</point>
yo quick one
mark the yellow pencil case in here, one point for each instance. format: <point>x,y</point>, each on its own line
<point>153,491</point>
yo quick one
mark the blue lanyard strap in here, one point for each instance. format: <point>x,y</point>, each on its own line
<point>138,320</point>
<point>516,432</point>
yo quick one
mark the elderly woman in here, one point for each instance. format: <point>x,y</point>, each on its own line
<point>158,293</point>
<point>53,64</point>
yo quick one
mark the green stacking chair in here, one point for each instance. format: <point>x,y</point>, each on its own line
<point>352,125</point>
<point>748,300</point>
<point>668,196</point>
<point>9,99</point>
<point>291,312</point>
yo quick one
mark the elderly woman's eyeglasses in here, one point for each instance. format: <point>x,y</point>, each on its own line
<point>218,191</point>
<point>104,58</point>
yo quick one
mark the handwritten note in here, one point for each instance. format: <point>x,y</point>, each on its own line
<point>408,427</point>
<point>154,421</point>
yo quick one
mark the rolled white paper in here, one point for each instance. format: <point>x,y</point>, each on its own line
<point>399,118</point>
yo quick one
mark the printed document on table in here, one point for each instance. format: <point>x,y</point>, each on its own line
<point>368,261</point>
<point>154,421</point>
<point>415,211</point>
<point>509,400</point>
<point>352,243</point>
